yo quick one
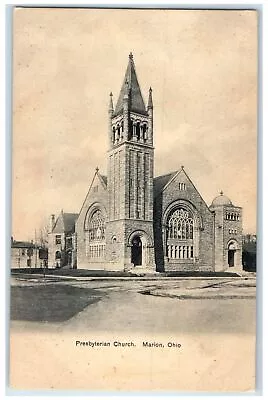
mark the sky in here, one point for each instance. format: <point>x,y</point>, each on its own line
<point>202,67</point>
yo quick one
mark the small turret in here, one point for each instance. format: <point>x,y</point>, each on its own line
<point>111,106</point>
<point>150,115</point>
<point>126,110</point>
<point>150,100</point>
<point>110,127</point>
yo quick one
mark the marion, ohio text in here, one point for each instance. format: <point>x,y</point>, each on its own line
<point>93,344</point>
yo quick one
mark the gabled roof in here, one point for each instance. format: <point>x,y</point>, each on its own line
<point>69,221</point>
<point>104,178</point>
<point>131,85</point>
<point>65,223</point>
<point>161,181</point>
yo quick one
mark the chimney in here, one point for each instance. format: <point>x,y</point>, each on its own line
<point>52,222</point>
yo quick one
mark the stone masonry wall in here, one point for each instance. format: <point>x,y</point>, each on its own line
<point>172,194</point>
<point>96,198</point>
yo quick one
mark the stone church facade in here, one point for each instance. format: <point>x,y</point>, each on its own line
<point>133,220</point>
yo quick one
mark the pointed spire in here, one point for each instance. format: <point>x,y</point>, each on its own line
<point>221,193</point>
<point>150,99</point>
<point>97,169</point>
<point>131,88</point>
<point>111,106</point>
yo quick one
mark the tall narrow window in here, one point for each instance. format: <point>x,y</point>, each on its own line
<point>130,136</point>
<point>144,129</point>
<point>96,236</point>
<point>138,131</point>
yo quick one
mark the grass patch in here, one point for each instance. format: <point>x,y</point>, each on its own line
<point>201,274</point>
<point>50,303</point>
<point>118,274</point>
<point>71,272</point>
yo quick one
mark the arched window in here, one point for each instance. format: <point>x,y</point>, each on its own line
<point>97,226</point>
<point>96,237</point>
<point>180,235</point>
<point>58,255</point>
<point>180,225</point>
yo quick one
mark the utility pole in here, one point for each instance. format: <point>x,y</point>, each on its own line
<point>35,248</point>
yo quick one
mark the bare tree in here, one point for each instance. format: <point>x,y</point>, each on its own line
<point>42,234</point>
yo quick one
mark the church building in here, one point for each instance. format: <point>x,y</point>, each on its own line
<point>133,220</point>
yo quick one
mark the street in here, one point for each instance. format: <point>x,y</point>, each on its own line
<point>132,334</point>
<point>134,305</point>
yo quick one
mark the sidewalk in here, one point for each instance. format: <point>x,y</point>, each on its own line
<point>153,277</point>
<point>223,289</point>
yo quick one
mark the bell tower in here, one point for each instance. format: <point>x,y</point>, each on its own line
<point>130,177</point>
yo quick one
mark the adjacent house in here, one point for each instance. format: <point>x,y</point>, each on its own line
<point>27,255</point>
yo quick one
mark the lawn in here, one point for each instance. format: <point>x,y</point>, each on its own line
<point>115,274</point>
<point>50,303</point>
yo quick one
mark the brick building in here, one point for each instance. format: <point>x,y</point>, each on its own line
<point>131,219</point>
<point>27,255</point>
<point>61,240</point>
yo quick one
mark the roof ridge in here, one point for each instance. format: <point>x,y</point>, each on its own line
<point>73,213</point>
<point>161,181</point>
<point>168,173</point>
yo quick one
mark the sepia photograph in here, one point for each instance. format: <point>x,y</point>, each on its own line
<point>134,200</point>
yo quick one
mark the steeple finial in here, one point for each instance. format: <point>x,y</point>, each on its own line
<point>150,99</point>
<point>221,193</point>
<point>130,56</point>
<point>97,169</point>
<point>111,106</point>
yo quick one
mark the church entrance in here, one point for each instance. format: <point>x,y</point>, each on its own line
<point>231,257</point>
<point>136,251</point>
<point>69,258</point>
<point>231,253</point>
